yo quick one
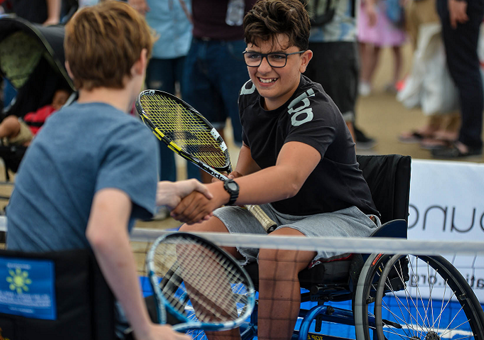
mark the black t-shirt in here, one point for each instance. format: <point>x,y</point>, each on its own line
<point>34,11</point>
<point>311,117</point>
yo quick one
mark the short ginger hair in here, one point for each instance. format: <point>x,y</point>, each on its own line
<point>268,18</point>
<point>102,43</point>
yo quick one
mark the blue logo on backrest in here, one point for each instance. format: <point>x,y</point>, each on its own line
<point>27,288</point>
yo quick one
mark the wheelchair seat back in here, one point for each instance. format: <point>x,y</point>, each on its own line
<point>55,295</point>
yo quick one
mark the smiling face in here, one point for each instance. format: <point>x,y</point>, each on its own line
<point>277,85</point>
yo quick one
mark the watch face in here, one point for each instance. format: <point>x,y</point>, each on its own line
<point>232,186</point>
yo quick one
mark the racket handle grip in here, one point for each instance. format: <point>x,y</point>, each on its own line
<point>268,224</point>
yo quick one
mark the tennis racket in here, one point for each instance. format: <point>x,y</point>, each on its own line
<point>198,283</point>
<point>185,131</point>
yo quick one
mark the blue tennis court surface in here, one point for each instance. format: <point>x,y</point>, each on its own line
<point>449,316</point>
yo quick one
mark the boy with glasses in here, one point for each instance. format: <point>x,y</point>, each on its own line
<point>298,162</point>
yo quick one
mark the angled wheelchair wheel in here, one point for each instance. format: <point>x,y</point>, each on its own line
<point>365,295</point>
<point>426,299</point>
<point>415,297</point>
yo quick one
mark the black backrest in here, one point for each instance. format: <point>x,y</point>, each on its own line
<point>388,177</point>
<point>83,301</point>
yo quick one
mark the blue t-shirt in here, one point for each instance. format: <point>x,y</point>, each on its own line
<point>81,149</point>
<point>172,26</point>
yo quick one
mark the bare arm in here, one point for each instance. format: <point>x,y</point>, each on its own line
<point>53,12</point>
<point>171,193</point>
<point>371,12</point>
<point>107,232</point>
<point>295,163</point>
<point>245,163</point>
<point>457,12</point>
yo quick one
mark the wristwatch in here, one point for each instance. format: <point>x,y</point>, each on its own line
<point>233,189</point>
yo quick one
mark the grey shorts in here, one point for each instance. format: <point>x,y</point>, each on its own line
<point>350,222</point>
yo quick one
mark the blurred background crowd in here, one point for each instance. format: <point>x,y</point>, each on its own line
<point>405,74</point>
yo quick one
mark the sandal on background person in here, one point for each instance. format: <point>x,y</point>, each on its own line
<point>442,139</point>
<point>456,150</point>
<point>435,143</point>
<point>414,136</point>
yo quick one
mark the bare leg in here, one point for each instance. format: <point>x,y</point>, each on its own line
<point>10,127</point>
<point>213,225</point>
<point>279,289</point>
<point>369,55</point>
<point>373,56</point>
<point>397,56</point>
<point>364,54</point>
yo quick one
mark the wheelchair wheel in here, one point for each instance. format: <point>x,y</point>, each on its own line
<point>416,297</point>
<point>365,294</point>
<point>426,299</point>
<point>437,301</point>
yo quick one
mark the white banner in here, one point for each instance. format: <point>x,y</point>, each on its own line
<point>447,203</point>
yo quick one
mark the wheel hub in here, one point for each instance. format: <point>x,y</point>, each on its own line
<point>432,336</point>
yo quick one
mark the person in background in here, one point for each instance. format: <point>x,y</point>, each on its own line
<point>440,128</point>
<point>21,131</point>
<point>45,12</point>
<point>215,70</point>
<point>461,22</point>
<point>171,19</point>
<point>375,31</point>
<point>335,61</point>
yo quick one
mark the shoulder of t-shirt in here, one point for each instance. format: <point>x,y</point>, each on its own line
<point>103,116</point>
<point>98,110</point>
<point>247,93</point>
<point>314,92</point>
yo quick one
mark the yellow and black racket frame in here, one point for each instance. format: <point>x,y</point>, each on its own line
<point>145,113</point>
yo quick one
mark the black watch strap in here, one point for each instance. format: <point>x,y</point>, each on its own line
<point>233,189</point>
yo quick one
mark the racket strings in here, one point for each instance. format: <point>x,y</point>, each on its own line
<point>205,291</point>
<point>171,282</point>
<point>214,286</point>
<point>211,291</point>
<point>184,128</point>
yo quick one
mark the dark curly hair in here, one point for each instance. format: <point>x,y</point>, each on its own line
<point>271,17</point>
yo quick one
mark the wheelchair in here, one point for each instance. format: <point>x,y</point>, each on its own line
<point>54,295</point>
<point>392,295</point>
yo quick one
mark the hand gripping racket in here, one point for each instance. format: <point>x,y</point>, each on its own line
<point>198,283</point>
<point>185,131</point>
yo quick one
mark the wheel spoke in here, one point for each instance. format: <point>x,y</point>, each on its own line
<point>417,303</point>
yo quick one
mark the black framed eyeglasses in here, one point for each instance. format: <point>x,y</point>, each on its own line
<point>275,59</point>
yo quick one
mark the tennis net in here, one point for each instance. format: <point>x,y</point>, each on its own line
<point>393,288</point>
